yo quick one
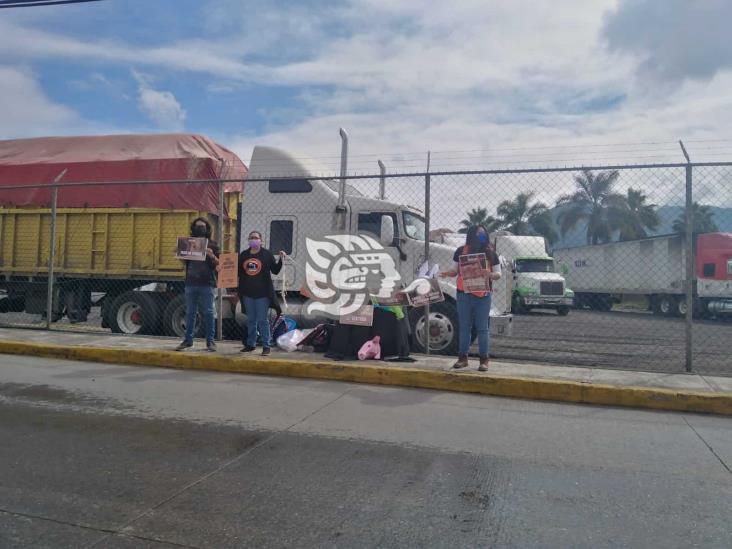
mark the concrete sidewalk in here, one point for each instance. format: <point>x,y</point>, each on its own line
<point>682,392</point>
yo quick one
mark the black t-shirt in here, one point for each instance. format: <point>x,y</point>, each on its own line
<point>255,273</point>
<point>202,273</point>
<point>489,253</point>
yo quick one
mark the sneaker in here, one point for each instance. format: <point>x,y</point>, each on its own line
<point>247,349</point>
<point>462,362</point>
<point>265,351</point>
<point>183,346</point>
<point>211,347</point>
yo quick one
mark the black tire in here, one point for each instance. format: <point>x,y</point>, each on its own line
<point>666,305</point>
<point>680,307</point>
<point>174,316</point>
<point>563,311</point>
<point>443,317</point>
<point>134,313</point>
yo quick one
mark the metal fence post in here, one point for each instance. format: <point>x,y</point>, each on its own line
<point>690,278</point>
<point>52,253</point>
<point>220,315</point>
<point>382,180</point>
<point>427,252</point>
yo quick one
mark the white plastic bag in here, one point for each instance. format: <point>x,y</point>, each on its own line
<point>288,341</point>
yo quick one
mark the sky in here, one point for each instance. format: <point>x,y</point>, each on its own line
<point>477,82</point>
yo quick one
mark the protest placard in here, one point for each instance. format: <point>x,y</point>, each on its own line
<point>474,271</point>
<point>427,290</point>
<point>191,248</point>
<point>363,317</point>
<point>228,276</point>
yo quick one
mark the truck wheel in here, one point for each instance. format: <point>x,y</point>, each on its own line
<point>518,306</point>
<point>563,311</point>
<point>443,328</point>
<point>134,313</point>
<point>666,305</point>
<point>174,319</point>
<point>680,309</point>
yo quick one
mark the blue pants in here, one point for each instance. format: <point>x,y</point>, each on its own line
<point>200,298</point>
<point>256,309</point>
<point>473,311</point>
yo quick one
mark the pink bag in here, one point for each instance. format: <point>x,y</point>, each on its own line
<point>370,349</point>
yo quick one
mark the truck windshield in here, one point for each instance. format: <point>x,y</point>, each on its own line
<point>414,226</point>
<point>534,265</point>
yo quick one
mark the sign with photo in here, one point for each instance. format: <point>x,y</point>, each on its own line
<point>395,299</point>
<point>427,291</point>
<point>363,317</point>
<point>191,248</point>
<point>474,269</point>
<point>228,276</point>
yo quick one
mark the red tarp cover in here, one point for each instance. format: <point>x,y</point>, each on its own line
<point>112,158</point>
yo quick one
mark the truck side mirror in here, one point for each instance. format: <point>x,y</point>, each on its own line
<point>387,230</point>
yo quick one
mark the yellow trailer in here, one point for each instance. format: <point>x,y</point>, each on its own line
<point>108,243</point>
<point>109,251</point>
<point>122,201</point>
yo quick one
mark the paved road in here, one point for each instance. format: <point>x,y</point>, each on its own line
<point>122,457</point>
<point>626,340</point>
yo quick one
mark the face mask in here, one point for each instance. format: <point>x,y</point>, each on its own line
<point>199,231</point>
<point>255,243</point>
<point>482,238</point>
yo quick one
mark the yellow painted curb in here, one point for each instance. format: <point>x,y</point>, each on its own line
<point>464,382</point>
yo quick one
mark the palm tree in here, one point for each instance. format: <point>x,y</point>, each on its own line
<point>594,203</point>
<point>523,218</point>
<point>478,216</point>
<point>637,216</point>
<point>703,220</point>
<point>544,225</point>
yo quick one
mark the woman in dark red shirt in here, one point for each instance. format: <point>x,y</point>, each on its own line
<point>474,307</point>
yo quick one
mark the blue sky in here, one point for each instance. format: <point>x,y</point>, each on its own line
<point>403,76</point>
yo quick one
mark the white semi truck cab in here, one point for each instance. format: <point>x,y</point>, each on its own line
<point>286,202</point>
<point>536,284</point>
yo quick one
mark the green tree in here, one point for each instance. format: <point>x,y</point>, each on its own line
<point>478,216</point>
<point>637,217</point>
<point>703,220</point>
<point>595,203</point>
<point>521,217</point>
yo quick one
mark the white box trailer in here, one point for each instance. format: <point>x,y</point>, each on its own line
<point>654,268</point>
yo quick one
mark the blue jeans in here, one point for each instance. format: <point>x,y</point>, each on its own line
<point>473,311</point>
<point>256,309</point>
<point>200,298</point>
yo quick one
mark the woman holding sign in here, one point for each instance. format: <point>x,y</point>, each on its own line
<point>256,290</point>
<point>476,267</point>
<point>200,284</point>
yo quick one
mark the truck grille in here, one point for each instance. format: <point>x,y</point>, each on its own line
<point>551,288</point>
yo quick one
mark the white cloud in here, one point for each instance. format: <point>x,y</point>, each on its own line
<point>673,40</point>
<point>26,111</point>
<point>160,106</point>
<point>413,75</point>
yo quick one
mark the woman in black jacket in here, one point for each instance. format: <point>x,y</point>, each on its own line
<point>256,290</point>
<point>200,288</point>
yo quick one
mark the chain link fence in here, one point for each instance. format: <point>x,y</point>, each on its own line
<point>599,263</point>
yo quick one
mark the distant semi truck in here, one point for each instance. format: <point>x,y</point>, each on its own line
<point>654,268</point>
<point>536,284</point>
